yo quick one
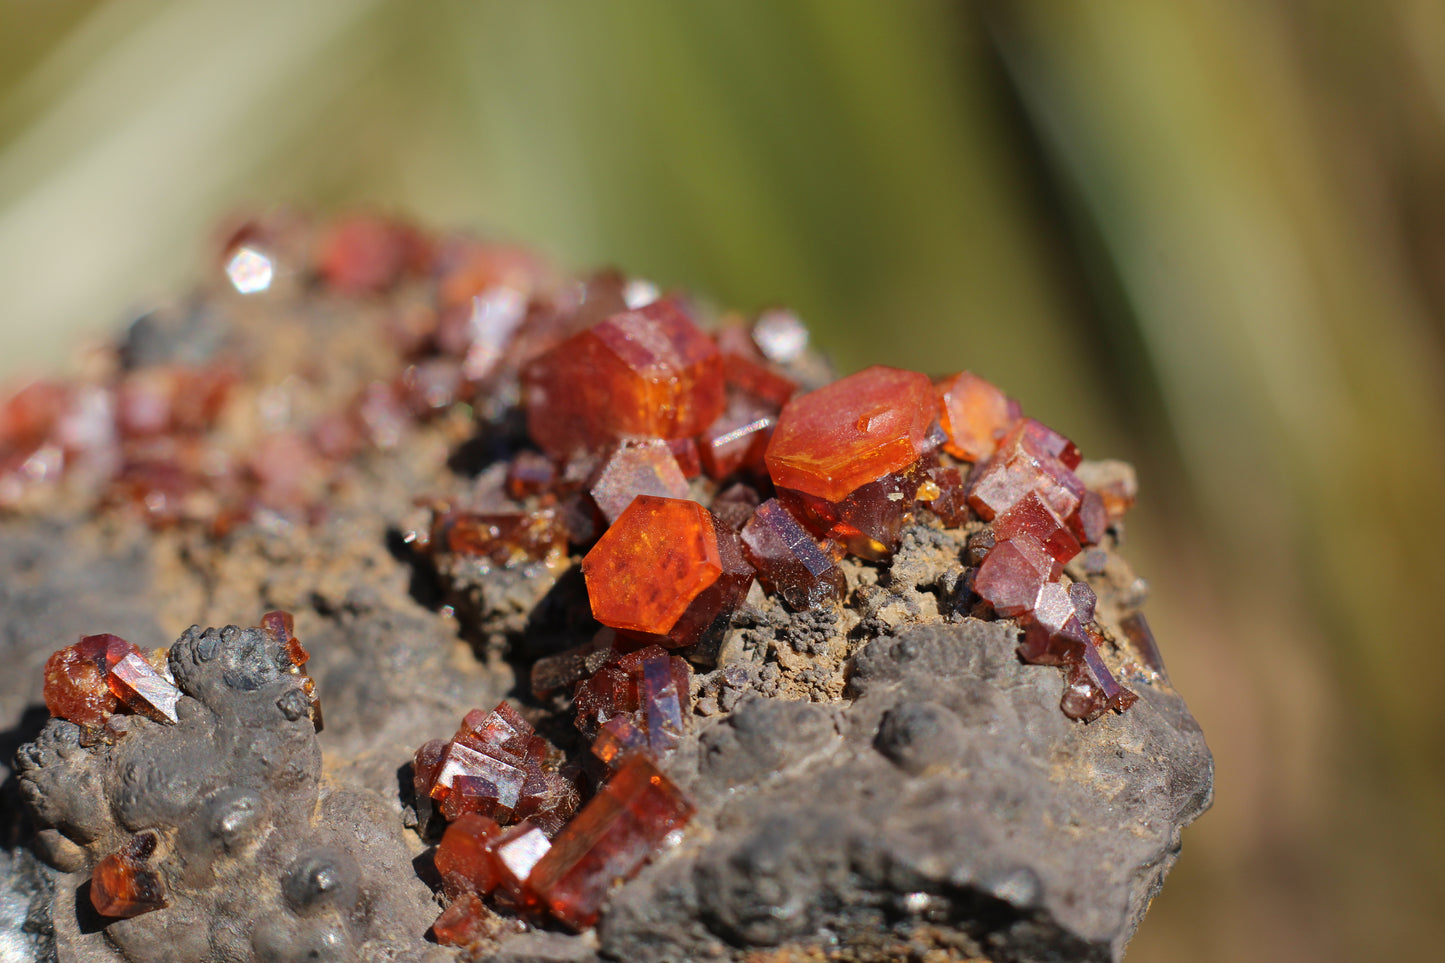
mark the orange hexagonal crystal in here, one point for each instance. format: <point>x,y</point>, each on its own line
<point>665,571</point>
<point>648,373</point>
<point>833,441</point>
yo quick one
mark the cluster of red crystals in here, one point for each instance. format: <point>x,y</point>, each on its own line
<point>1042,515</point>
<point>642,700</point>
<point>280,627</point>
<point>95,678</point>
<point>495,766</point>
<point>125,884</point>
<point>179,443</point>
<point>634,706</point>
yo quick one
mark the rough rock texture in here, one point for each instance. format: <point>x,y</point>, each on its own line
<point>260,859</point>
<point>878,781</point>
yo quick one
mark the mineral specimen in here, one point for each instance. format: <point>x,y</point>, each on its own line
<point>532,458</point>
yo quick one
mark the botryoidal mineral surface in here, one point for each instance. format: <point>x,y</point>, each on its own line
<point>749,663</point>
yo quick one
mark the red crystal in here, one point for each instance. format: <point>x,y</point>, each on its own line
<point>464,922</point>
<point>975,416</point>
<point>366,254</point>
<point>869,521</point>
<point>516,853</point>
<point>77,684</point>
<point>648,373</point>
<point>1040,440</point>
<point>642,468</point>
<point>788,560</point>
<point>1014,471</point>
<point>426,766</point>
<point>1090,522</point>
<point>689,459</point>
<point>946,495</point>
<point>665,571</point>
<point>1091,689</point>
<point>1141,638</point>
<point>830,442</point>
<point>124,884</point>
<point>1013,573</point>
<point>464,858</point>
<point>500,538</point>
<point>617,736</point>
<point>143,689</point>
<point>1030,515</point>
<point>738,438</point>
<point>745,368</point>
<point>610,839</point>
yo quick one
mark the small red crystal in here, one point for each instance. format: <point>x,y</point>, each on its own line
<point>789,561</point>
<point>869,521</point>
<point>665,571</point>
<point>124,884</point>
<point>482,783</point>
<point>516,853</point>
<point>464,858</point>
<point>1141,638</point>
<point>1030,515</point>
<point>77,685</point>
<point>1090,522</point>
<point>463,922</point>
<point>946,495</point>
<point>365,254</point>
<point>648,373</point>
<point>608,840</point>
<point>975,415</point>
<point>738,438</point>
<point>1014,471</point>
<point>500,538</point>
<point>143,689</point>
<point>1013,573</point>
<point>1091,689</point>
<point>830,442</point>
<point>641,468</point>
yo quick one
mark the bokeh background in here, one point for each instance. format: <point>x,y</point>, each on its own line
<point>1204,235</point>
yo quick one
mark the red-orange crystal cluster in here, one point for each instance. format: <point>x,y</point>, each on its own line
<point>101,675</point>
<point>525,848</point>
<point>1042,514</point>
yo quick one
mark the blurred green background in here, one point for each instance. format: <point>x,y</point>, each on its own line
<point>1204,235</point>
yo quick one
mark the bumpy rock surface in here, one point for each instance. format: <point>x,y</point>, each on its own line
<point>259,859</point>
<point>879,780</point>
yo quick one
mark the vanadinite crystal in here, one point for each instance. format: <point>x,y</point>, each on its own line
<point>90,681</point>
<point>844,456</point>
<point>610,839</point>
<point>665,571</point>
<point>647,373</point>
<point>125,884</point>
<point>788,559</point>
<point>494,766</point>
<point>975,416</point>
